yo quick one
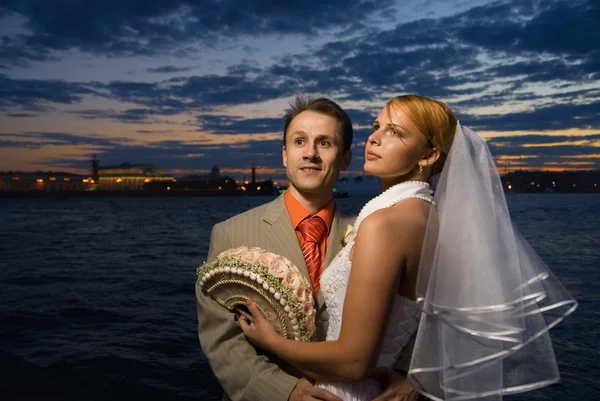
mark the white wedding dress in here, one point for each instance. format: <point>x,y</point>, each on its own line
<point>404,319</point>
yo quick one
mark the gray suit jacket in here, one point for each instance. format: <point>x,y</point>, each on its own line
<point>244,372</point>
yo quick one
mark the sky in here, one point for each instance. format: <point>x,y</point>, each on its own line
<point>189,85</point>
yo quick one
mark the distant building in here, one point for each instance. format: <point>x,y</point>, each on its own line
<point>44,182</point>
<point>212,183</point>
<point>95,171</point>
<point>129,177</point>
<point>550,181</point>
<point>215,174</point>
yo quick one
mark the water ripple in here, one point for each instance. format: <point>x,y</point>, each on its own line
<point>102,289</point>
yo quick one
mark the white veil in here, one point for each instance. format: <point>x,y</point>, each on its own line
<point>488,300</point>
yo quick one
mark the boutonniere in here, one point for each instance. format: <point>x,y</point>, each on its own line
<point>347,235</point>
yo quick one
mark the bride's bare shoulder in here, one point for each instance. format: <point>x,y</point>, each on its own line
<point>409,214</point>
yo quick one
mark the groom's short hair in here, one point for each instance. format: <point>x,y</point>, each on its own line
<point>324,106</point>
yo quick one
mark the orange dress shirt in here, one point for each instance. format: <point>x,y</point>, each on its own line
<point>298,213</point>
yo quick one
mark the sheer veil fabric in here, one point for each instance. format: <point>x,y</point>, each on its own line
<point>487,299</point>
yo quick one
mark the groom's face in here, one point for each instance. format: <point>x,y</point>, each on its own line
<point>313,154</point>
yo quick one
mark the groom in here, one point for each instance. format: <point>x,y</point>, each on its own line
<point>317,138</point>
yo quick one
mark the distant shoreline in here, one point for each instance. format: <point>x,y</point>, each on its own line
<point>195,194</point>
<point>128,194</point>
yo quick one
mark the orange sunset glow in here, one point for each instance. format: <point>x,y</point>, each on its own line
<point>215,98</point>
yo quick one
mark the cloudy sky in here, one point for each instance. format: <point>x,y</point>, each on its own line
<point>187,85</point>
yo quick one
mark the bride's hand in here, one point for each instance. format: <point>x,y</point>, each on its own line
<point>260,333</point>
<point>394,386</point>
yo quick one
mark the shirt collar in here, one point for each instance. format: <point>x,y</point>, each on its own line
<point>298,212</point>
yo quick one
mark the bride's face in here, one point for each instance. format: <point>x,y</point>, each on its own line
<point>395,146</point>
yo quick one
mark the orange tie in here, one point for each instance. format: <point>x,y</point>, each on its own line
<point>312,229</point>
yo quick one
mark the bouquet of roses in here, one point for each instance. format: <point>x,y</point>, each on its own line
<point>280,291</point>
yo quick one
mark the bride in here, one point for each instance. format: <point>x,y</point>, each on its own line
<point>451,268</point>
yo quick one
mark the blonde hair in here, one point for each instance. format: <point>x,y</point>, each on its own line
<point>433,118</point>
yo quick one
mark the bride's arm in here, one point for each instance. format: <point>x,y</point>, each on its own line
<point>386,242</point>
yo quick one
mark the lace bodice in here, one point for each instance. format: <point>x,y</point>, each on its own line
<point>404,319</point>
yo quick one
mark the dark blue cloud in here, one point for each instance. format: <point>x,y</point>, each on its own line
<point>21,115</point>
<point>457,58</point>
<point>134,116</point>
<point>173,154</point>
<point>592,65</point>
<point>146,131</point>
<point>14,51</point>
<point>539,139</point>
<point>559,116</point>
<point>222,124</point>
<point>538,71</point>
<point>199,92</point>
<point>167,69</point>
<point>428,57</point>
<point>36,95</point>
<point>567,30</point>
<point>5,143</point>
<point>228,90</point>
<point>131,27</point>
<point>362,117</point>
<point>242,70</point>
<point>37,139</point>
<point>559,27</point>
<point>499,98</point>
<point>219,124</point>
<point>432,57</point>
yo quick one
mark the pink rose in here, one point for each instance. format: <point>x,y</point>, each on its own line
<point>237,252</point>
<point>267,258</point>
<point>350,236</point>
<point>310,326</point>
<point>308,309</point>
<point>250,256</point>
<point>299,293</point>
<point>293,280</point>
<point>309,316</point>
<point>278,268</point>
<point>303,293</point>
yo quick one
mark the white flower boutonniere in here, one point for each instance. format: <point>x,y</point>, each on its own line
<point>348,235</point>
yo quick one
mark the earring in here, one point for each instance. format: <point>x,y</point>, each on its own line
<point>420,168</point>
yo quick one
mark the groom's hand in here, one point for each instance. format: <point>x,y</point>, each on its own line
<point>395,386</point>
<point>306,391</point>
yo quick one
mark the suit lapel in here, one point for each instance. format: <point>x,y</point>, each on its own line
<point>282,236</point>
<point>334,242</point>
